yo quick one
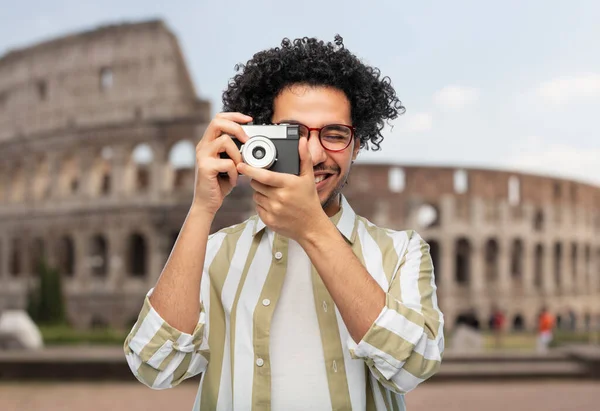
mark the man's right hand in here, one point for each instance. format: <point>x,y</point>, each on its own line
<point>210,188</point>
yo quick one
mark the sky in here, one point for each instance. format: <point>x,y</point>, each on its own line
<point>511,85</point>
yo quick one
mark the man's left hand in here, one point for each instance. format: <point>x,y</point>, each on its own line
<point>286,203</point>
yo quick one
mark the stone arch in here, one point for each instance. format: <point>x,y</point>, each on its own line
<point>142,157</point>
<point>587,267</point>
<point>434,251</point>
<point>65,252</point>
<point>17,184</point>
<point>37,255</point>
<point>182,162</point>
<point>41,179</point>
<point>98,257</point>
<point>68,181</point>
<point>538,268</point>
<point>101,174</point>
<point>15,265</point>
<point>516,260</point>
<point>469,318</point>
<point>558,256</point>
<point>574,262</point>
<point>98,321</point>
<point>538,221</point>
<point>492,251</point>
<point>463,261</point>
<point>137,255</point>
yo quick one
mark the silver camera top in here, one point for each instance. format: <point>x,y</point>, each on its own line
<point>272,131</point>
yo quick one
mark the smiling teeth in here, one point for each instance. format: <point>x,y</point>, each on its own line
<point>318,179</point>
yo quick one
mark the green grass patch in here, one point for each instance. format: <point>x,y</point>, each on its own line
<point>527,341</point>
<point>65,335</point>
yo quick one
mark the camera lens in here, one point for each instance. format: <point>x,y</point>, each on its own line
<point>258,153</point>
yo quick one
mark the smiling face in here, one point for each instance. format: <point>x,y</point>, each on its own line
<point>316,107</point>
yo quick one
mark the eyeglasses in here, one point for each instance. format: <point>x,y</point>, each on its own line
<point>333,137</point>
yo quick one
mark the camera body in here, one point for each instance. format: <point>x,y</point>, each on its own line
<point>272,147</point>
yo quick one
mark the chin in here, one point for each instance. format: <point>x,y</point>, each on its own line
<point>328,200</point>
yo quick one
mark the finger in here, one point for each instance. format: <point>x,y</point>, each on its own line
<point>267,177</point>
<point>225,144</point>
<point>234,116</point>
<point>219,126</point>
<point>260,200</point>
<point>232,174</point>
<point>306,164</point>
<point>223,166</point>
<point>261,188</point>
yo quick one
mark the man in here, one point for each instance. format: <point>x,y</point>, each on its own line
<point>545,326</point>
<point>305,305</point>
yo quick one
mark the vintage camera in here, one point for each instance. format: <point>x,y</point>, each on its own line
<point>272,147</point>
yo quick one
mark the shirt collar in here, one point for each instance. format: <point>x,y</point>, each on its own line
<point>344,220</point>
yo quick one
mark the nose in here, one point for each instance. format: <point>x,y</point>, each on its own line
<point>317,152</point>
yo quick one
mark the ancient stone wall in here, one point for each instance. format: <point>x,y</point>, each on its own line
<point>97,139</point>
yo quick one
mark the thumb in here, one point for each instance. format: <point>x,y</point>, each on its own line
<point>306,164</point>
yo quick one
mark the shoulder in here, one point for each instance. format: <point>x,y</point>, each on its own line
<point>236,228</point>
<point>231,234</point>
<point>387,238</point>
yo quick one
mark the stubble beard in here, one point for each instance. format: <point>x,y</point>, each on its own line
<point>336,192</point>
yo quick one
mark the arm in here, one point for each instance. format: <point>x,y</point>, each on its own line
<point>175,296</point>
<point>356,294</point>
<point>167,344</point>
<point>399,332</point>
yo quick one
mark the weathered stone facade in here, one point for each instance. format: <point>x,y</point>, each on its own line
<point>498,239</point>
<point>93,128</point>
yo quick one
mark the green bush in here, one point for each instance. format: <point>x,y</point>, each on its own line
<point>46,302</point>
<point>65,335</point>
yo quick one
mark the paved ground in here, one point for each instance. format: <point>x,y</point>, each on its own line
<point>529,396</point>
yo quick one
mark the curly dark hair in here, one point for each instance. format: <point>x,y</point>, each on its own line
<point>312,62</point>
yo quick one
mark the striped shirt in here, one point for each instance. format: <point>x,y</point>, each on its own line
<point>245,265</point>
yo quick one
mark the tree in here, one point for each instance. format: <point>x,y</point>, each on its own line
<point>46,302</point>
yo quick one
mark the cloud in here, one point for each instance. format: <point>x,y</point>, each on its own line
<point>455,97</point>
<point>559,160</point>
<point>414,123</point>
<point>565,89</point>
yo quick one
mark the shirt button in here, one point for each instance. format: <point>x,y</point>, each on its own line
<point>266,302</point>
<point>278,255</point>
<point>260,362</point>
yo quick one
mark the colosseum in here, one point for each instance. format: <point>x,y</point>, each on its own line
<point>97,137</point>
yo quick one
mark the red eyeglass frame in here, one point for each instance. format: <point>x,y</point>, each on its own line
<point>318,130</point>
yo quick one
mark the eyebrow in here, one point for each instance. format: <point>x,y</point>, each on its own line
<point>297,122</point>
<point>289,121</point>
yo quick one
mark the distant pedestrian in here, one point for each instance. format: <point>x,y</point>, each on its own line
<point>497,325</point>
<point>545,327</point>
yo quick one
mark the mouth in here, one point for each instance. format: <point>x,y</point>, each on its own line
<point>321,180</point>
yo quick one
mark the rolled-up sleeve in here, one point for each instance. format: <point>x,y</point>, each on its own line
<point>159,355</point>
<point>405,344</point>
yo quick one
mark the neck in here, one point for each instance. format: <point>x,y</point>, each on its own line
<point>332,206</point>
